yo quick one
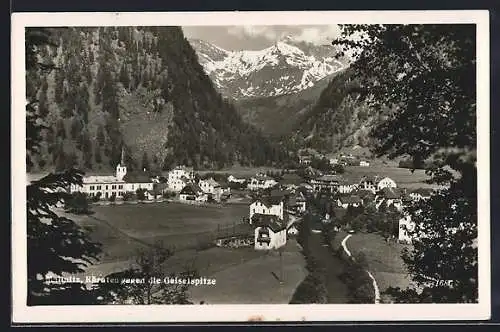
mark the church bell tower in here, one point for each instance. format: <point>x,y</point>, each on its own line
<point>121,169</point>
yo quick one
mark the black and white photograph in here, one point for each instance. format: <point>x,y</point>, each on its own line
<point>198,161</point>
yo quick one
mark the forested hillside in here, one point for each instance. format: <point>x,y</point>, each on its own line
<point>340,118</point>
<point>138,88</point>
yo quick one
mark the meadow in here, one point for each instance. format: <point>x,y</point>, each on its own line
<point>122,229</point>
<point>383,258</point>
<point>125,229</point>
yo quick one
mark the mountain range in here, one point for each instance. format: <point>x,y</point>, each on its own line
<point>284,68</point>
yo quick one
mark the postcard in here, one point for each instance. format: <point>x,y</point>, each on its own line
<point>250,166</point>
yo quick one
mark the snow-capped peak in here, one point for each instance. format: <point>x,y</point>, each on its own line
<point>282,68</point>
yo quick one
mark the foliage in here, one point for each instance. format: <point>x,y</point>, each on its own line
<point>128,195</point>
<point>149,268</point>
<point>426,74</point>
<point>155,101</point>
<point>77,204</point>
<point>56,245</point>
<point>140,194</point>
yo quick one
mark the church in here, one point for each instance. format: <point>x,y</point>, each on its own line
<point>105,186</point>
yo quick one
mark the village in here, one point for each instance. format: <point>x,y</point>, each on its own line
<point>276,202</point>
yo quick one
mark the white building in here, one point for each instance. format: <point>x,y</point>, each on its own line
<point>176,185</point>
<point>270,233</point>
<point>298,202</point>
<point>421,193</point>
<point>333,161</point>
<point>344,187</point>
<point>292,230</point>
<point>105,186</point>
<point>232,178</point>
<point>390,196</point>
<point>386,183</point>
<point>260,181</point>
<point>192,192</point>
<point>211,187</point>
<point>179,177</point>
<point>369,182</point>
<point>364,163</point>
<point>267,206</point>
<point>346,201</point>
<point>405,227</point>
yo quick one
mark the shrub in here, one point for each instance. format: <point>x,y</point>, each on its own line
<point>77,204</point>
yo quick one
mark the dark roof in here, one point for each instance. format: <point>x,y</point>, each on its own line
<point>364,193</point>
<point>266,220</point>
<point>137,177</point>
<point>370,178</point>
<point>191,189</point>
<point>269,200</point>
<point>278,193</point>
<point>331,178</point>
<point>351,199</point>
<point>391,193</point>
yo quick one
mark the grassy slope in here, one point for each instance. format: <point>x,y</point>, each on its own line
<point>384,259</point>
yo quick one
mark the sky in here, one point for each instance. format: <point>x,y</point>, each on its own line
<point>257,37</point>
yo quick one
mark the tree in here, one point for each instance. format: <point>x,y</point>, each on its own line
<point>77,204</point>
<point>140,194</point>
<point>155,288</point>
<point>145,161</point>
<point>76,127</point>
<point>425,75</point>
<point>56,244</point>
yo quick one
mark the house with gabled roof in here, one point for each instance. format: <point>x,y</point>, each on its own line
<point>386,183</point>
<point>351,200</point>
<point>390,196</point>
<point>192,192</point>
<point>298,202</point>
<point>179,177</point>
<point>369,182</point>
<point>261,181</point>
<point>269,233</point>
<point>267,205</point>
<point>212,188</point>
<point>329,182</point>
<point>421,193</point>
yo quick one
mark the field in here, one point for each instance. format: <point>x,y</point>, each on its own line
<point>404,177</point>
<point>243,275</point>
<point>384,259</point>
<point>255,280</point>
<point>124,228</point>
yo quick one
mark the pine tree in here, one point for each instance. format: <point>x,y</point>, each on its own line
<point>145,161</point>
<point>101,138</point>
<point>76,127</point>
<point>60,129</point>
<point>97,154</point>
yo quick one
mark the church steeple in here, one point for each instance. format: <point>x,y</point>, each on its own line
<point>121,169</point>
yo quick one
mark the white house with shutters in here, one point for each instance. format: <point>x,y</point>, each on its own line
<point>267,206</point>
<point>179,177</point>
<point>386,183</point>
